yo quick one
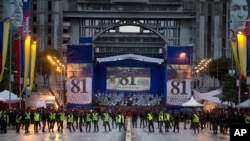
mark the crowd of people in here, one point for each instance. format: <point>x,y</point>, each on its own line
<point>50,120</point>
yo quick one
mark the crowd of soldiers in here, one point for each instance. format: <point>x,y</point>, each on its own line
<point>218,121</point>
<point>46,119</point>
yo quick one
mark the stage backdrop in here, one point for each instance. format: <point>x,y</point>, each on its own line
<point>178,74</point>
<point>138,83</point>
<point>128,79</point>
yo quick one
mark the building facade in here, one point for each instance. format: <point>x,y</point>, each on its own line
<point>203,24</point>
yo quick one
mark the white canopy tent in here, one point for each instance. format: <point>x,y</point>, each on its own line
<point>9,97</point>
<point>244,104</point>
<point>192,103</point>
<point>130,56</point>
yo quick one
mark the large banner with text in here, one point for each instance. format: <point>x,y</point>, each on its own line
<point>178,74</point>
<point>79,85</point>
<point>128,79</point>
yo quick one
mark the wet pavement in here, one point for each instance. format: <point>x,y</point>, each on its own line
<point>138,134</point>
<point>142,134</point>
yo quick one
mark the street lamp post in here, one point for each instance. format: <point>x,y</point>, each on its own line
<point>10,68</point>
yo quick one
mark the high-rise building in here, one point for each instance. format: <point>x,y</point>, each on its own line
<point>142,27</point>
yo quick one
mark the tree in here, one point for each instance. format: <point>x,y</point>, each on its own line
<point>44,64</point>
<point>220,67</point>
<point>229,89</point>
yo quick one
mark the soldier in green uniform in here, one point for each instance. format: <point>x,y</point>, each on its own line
<point>81,120</point>
<point>61,116</point>
<point>106,120</point>
<point>18,121</point>
<point>121,121</point>
<point>27,118</point>
<point>36,119</point>
<point>196,122</point>
<point>88,121</point>
<point>70,120</point>
<point>160,120</point>
<point>150,118</point>
<point>95,119</point>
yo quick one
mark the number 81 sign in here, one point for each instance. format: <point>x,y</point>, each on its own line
<point>179,87</point>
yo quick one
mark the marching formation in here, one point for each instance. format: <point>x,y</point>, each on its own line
<point>85,120</point>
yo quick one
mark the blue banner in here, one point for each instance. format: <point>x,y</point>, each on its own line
<point>84,40</point>
<point>79,54</point>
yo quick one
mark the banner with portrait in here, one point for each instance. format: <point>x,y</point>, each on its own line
<point>128,79</point>
<point>18,13</point>
<point>79,84</point>
<point>178,74</point>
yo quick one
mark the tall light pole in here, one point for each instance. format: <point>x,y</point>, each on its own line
<point>10,59</point>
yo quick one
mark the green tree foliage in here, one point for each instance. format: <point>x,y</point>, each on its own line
<point>229,89</point>
<point>220,67</point>
<point>43,63</point>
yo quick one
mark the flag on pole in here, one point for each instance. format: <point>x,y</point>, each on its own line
<point>242,54</point>
<point>32,64</point>
<point>4,37</point>
<point>26,62</point>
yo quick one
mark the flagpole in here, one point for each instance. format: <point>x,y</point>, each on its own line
<point>10,70</point>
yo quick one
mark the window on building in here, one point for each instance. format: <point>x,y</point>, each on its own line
<point>34,18</point>
<point>49,30</point>
<point>34,7</point>
<point>49,17</point>
<point>49,41</point>
<point>49,5</point>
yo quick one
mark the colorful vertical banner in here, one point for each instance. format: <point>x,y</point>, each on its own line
<point>18,12</point>
<point>242,53</point>
<point>18,61</point>
<point>79,85</point>
<point>27,51</point>
<point>26,17</point>
<point>179,60</point>
<point>4,38</point>
<point>32,64</point>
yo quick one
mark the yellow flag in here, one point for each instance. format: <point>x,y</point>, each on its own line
<point>242,53</point>
<point>32,65</point>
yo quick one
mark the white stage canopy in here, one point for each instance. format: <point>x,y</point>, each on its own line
<point>9,97</point>
<point>244,104</point>
<point>192,103</point>
<point>130,56</point>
